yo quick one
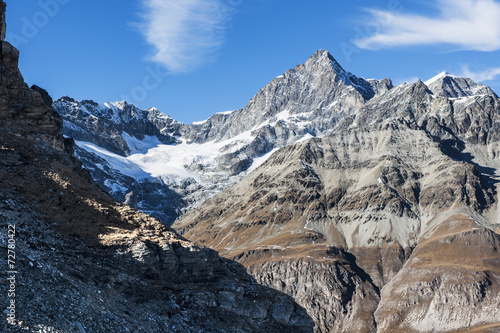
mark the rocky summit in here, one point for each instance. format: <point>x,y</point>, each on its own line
<point>79,261</point>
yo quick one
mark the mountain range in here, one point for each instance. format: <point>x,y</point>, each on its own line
<point>374,206</point>
<point>329,203</point>
<point>387,224</point>
<point>164,167</point>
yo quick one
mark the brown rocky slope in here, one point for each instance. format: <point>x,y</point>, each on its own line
<point>389,224</point>
<point>85,263</point>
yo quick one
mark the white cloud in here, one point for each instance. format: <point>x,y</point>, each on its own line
<point>486,75</point>
<point>184,33</point>
<point>466,24</point>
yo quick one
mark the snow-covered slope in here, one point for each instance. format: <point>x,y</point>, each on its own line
<point>438,77</point>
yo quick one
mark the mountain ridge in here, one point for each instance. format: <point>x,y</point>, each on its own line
<point>307,101</point>
<point>304,102</point>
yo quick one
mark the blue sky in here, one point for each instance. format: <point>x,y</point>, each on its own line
<point>193,58</point>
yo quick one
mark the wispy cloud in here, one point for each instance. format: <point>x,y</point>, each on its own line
<point>184,33</point>
<point>486,75</point>
<point>466,24</point>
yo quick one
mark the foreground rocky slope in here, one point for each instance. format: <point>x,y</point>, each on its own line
<point>85,263</point>
<point>163,167</point>
<point>388,224</point>
<point>84,260</point>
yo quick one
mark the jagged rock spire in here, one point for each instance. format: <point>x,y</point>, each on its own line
<point>22,110</point>
<point>322,62</point>
<point>3,24</point>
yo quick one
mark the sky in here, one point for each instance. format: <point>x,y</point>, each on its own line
<point>193,58</point>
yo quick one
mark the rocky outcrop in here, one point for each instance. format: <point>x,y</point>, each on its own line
<point>346,297</point>
<point>22,110</point>
<point>80,261</point>
<point>450,282</point>
<point>3,25</point>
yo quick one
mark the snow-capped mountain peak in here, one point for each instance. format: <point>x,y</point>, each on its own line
<point>438,77</point>
<point>121,142</point>
<point>447,85</point>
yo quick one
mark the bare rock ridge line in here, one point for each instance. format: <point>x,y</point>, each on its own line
<point>86,262</point>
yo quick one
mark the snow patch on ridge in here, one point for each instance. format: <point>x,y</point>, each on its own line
<point>201,122</point>
<point>225,112</point>
<point>115,161</point>
<point>438,77</point>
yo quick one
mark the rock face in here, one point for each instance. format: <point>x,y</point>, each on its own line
<point>330,287</point>
<point>23,111</point>
<point>86,263</point>
<point>392,216</point>
<point>3,25</point>
<point>204,158</point>
<point>452,277</point>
